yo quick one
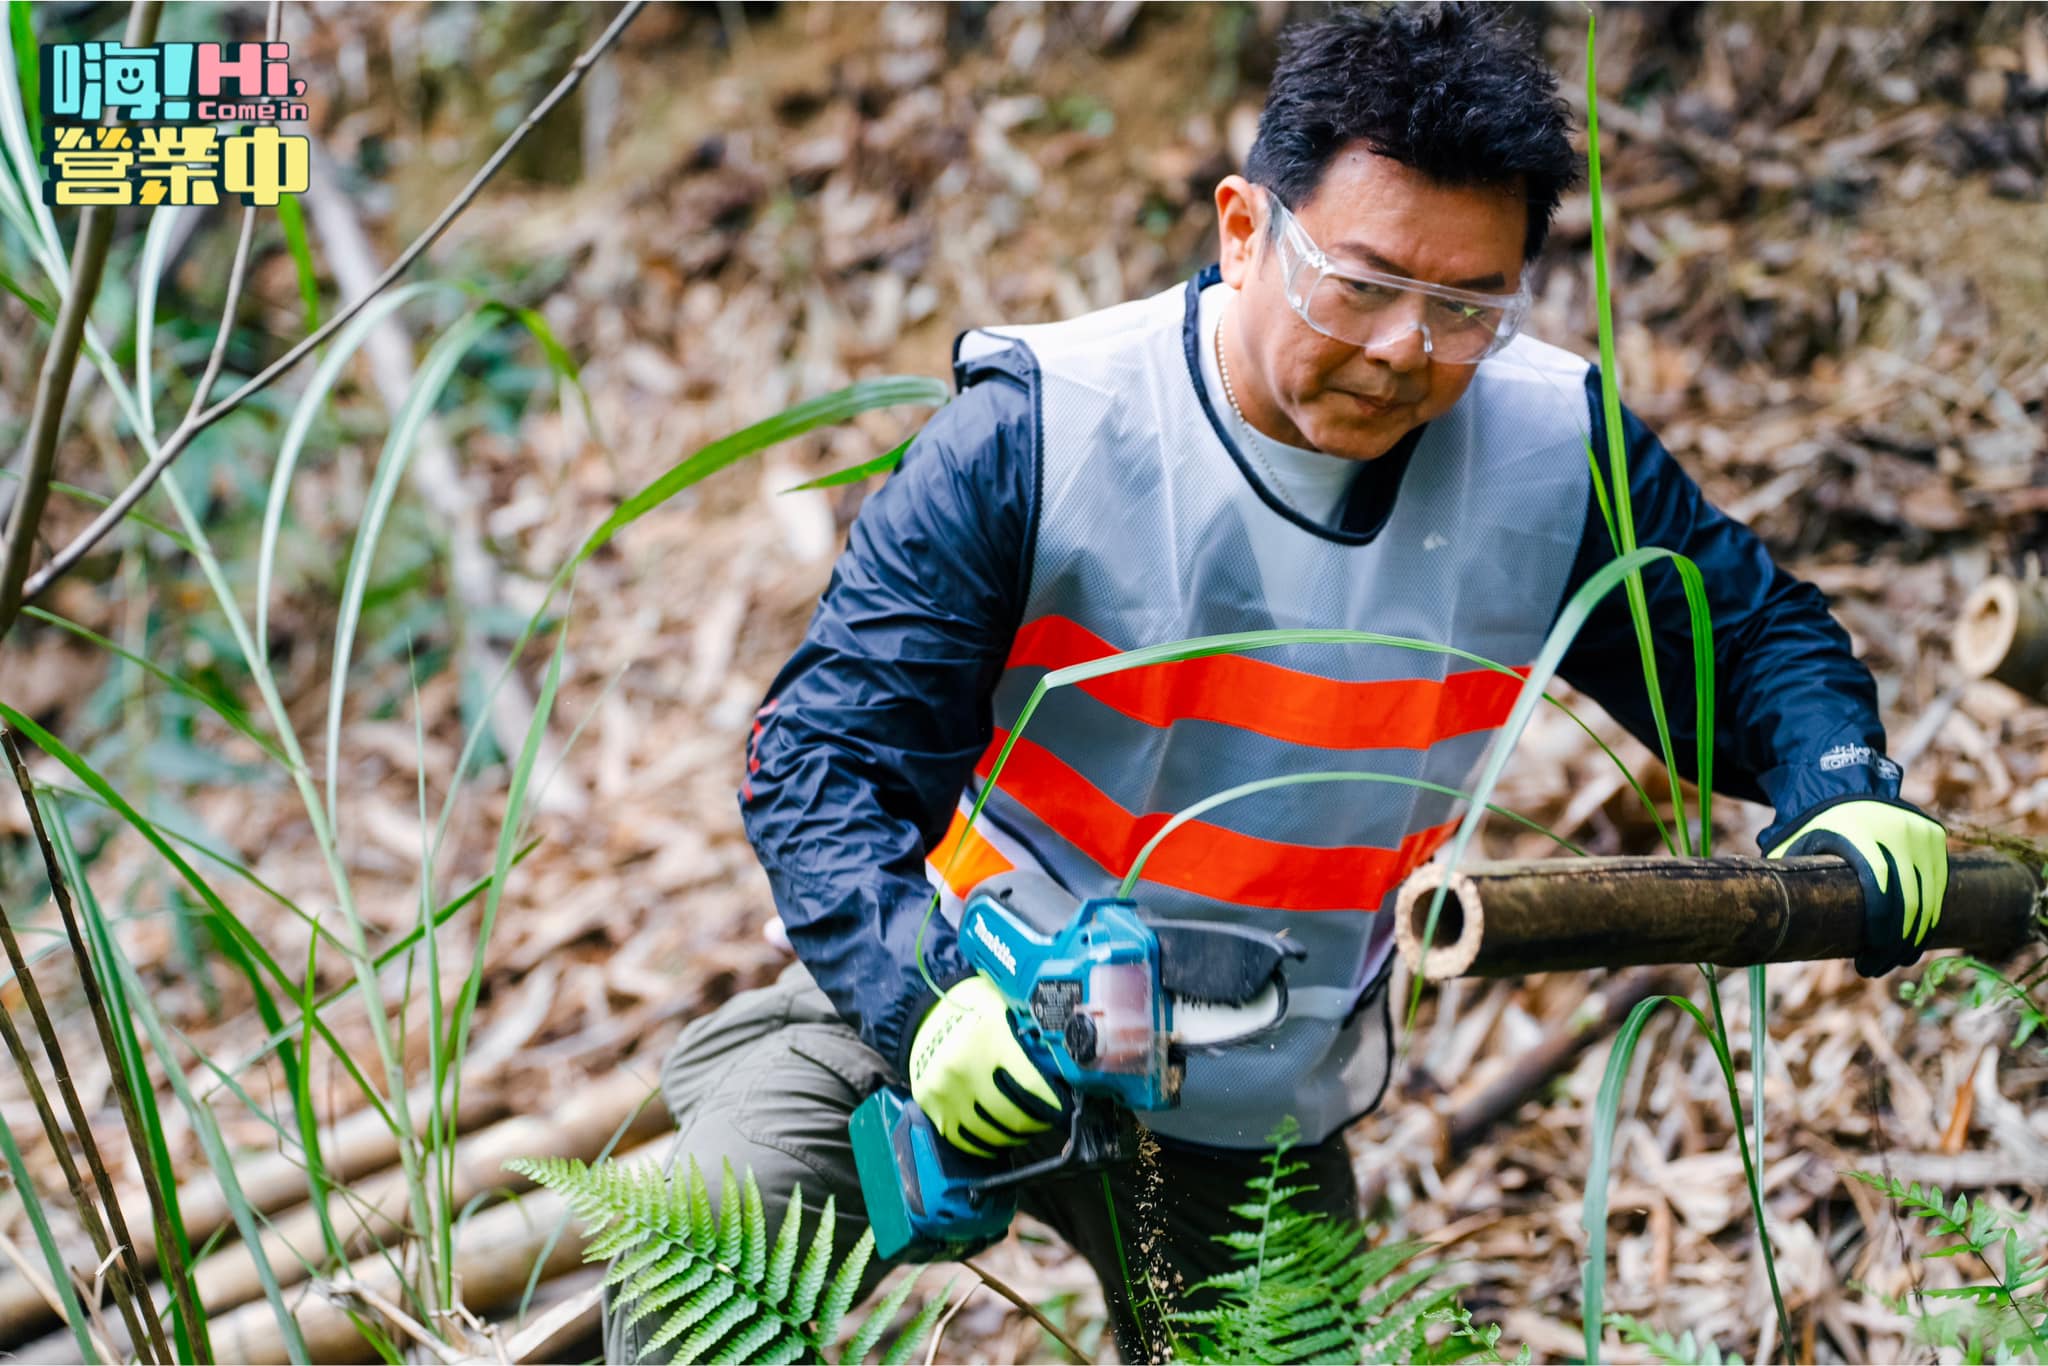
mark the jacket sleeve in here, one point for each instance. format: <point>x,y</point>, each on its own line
<point>1795,712</point>
<point>859,753</point>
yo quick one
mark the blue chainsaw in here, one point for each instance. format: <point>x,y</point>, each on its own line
<point>1107,1001</point>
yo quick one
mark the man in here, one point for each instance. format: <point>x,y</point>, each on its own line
<point>1338,426</point>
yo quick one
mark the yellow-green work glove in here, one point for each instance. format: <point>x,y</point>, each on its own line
<point>1900,854</point>
<point>971,1077</point>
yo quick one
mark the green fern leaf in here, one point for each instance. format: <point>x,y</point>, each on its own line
<point>730,1225</point>
<point>755,1262</point>
<point>699,1305</point>
<point>703,1227</point>
<point>708,1273</point>
<point>839,1298</point>
<point>913,1335</point>
<point>817,1263</point>
<point>776,1285</point>
<point>713,1330</point>
<point>877,1322</point>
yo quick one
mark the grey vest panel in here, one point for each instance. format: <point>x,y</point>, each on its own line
<point>1148,532</point>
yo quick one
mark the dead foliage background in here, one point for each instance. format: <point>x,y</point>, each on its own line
<point>1832,292</point>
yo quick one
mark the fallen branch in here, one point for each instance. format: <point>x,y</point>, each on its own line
<point>160,460</point>
<point>1569,915</point>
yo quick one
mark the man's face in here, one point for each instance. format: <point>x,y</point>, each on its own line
<point>1369,213</point>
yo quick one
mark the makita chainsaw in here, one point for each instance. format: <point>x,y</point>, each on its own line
<point>1107,1001</point>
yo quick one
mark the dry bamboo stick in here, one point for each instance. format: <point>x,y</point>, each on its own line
<point>374,1212</point>
<point>1569,915</point>
<point>2003,634</point>
<point>357,1147</point>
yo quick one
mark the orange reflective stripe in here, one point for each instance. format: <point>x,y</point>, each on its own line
<point>964,859</point>
<point>1257,695</point>
<point>1201,858</point>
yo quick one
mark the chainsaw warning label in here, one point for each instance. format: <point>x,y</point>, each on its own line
<point>1053,1003</point>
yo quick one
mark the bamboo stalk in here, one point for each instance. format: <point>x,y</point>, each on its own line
<point>1569,915</point>
<point>357,1147</point>
<point>2003,634</point>
<point>372,1212</point>
<point>494,1254</point>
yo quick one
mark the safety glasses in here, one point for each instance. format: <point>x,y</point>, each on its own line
<point>1368,308</point>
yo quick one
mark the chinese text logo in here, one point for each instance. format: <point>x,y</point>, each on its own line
<point>168,152</point>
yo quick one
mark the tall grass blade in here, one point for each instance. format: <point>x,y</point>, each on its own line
<point>100,500</point>
<point>222,707</point>
<point>305,411</point>
<point>853,474</point>
<point>44,313</point>
<point>191,1337</point>
<point>448,1069</point>
<point>1569,622</point>
<point>20,77</point>
<point>53,1257</point>
<point>228,928</point>
<point>292,219</point>
<point>1606,1110</point>
<point>433,377</point>
<point>1211,802</point>
<point>149,273</point>
<point>21,33</point>
<point>826,410</point>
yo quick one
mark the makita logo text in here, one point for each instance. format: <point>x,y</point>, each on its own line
<point>1857,756</point>
<point>995,945</point>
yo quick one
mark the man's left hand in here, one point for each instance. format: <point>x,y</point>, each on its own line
<point>1900,854</point>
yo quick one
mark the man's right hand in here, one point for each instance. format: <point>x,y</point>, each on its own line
<point>971,1077</point>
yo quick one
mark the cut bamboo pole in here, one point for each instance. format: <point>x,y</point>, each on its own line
<point>2003,634</point>
<point>494,1255</point>
<point>1570,915</point>
<point>361,1145</point>
<point>375,1210</point>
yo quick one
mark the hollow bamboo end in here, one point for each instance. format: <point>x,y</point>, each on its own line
<point>1460,926</point>
<point>1987,628</point>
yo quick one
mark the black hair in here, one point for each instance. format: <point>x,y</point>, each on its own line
<point>1447,89</point>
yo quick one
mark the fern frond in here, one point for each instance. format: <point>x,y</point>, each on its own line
<point>1679,1351</point>
<point>1303,1286</point>
<point>706,1273</point>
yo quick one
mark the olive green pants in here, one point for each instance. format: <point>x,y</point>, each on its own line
<point>769,1080</point>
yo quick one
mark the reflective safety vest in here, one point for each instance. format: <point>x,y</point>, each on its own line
<point>1149,530</point>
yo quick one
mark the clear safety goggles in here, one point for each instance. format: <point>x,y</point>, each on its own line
<point>1368,308</point>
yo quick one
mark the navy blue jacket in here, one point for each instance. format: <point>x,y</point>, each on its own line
<point>870,731</point>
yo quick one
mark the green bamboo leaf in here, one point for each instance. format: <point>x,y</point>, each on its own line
<point>853,474</point>
<point>292,219</point>
<point>839,406</point>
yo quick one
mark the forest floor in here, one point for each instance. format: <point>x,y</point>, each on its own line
<point>1832,296</point>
